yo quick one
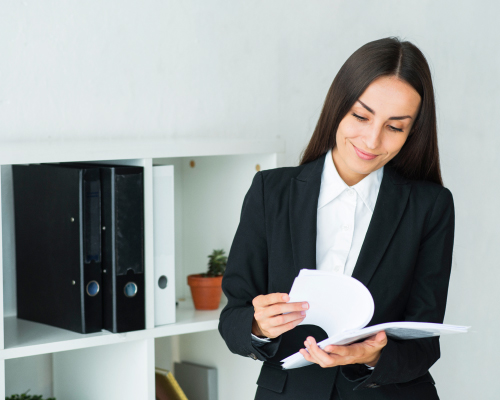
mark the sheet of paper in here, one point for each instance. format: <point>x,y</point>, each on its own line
<point>337,302</point>
<point>399,330</point>
<point>403,330</point>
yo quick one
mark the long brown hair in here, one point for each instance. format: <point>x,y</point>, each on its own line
<point>419,157</point>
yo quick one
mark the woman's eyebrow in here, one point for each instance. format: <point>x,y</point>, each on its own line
<point>373,112</point>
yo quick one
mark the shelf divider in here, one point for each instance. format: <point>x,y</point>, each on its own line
<point>149,269</point>
<point>2,333</point>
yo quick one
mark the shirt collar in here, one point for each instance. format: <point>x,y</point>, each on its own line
<point>332,184</point>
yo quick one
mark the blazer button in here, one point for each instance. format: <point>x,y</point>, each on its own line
<point>251,355</point>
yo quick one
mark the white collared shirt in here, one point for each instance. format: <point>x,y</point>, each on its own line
<point>344,214</point>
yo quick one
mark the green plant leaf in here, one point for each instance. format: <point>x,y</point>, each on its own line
<point>216,263</point>
<point>26,396</point>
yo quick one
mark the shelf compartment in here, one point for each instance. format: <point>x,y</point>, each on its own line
<point>26,338</point>
<point>29,373</point>
<point>119,371</point>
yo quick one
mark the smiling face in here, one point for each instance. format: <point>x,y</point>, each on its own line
<point>375,128</point>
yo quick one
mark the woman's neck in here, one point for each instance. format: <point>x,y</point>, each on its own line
<point>349,176</point>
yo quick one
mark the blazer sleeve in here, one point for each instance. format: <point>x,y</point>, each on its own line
<point>405,360</point>
<point>246,277</point>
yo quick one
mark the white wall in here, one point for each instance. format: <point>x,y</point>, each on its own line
<point>72,69</point>
<point>33,374</point>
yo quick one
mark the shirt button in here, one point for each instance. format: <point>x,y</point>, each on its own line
<point>337,268</point>
<point>351,192</point>
<point>345,227</point>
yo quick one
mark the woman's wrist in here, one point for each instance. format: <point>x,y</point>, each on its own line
<point>256,329</point>
<point>373,362</point>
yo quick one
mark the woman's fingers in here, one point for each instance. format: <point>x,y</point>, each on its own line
<point>280,320</point>
<point>339,350</point>
<point>275,326</point>
<point>318,355</point>
<point>367,352</point>
<point>265,300</point>
<point>279,330</point>
<point>286,318</point>
<point>380,339</point>
<point>277,309</point>
<point>307,356</point>
<point>276,303</point>
<point>274,316</point>
<point>280,324</point>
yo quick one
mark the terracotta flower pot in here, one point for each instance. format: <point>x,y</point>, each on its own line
<point>206,291</point>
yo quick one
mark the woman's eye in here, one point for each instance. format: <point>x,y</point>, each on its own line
<point>395,129</point>
<point>358,117</point>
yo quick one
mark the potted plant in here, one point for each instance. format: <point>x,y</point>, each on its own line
<point>206,288</point>
<point>26,396</point>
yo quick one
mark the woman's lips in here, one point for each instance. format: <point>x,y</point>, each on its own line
<point>363,155</point>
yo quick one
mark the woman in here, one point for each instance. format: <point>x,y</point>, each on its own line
<point>367,200</point>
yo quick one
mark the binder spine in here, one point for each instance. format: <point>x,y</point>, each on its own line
<point>91,251</point>
<point>55,233</point>
<point>123,249</point>
<point>108,275</point>
<point>129,248</point>
<point>164,246</point>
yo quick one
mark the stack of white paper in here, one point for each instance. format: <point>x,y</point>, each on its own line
<point>342,306</point>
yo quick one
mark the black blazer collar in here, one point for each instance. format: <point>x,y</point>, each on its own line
<point>303,205</point>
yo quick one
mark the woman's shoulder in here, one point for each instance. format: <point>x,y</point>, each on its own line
<point>429,188</point>
<point>282,172</point>
<point>430,192</point>
<point>423,192</point>
<point>421,186</point>
<point>279,178</point>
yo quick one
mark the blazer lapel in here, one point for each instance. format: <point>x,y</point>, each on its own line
<point>303,208</point>
<point>391,202</point>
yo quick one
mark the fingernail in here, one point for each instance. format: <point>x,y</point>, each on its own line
<point>284,297</point>
<point>303,312</point>
<point>305,305</point>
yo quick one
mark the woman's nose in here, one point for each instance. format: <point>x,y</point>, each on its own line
<point>373,137</point>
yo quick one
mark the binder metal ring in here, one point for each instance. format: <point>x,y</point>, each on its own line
<point>162,282</point>
<point>92,288</point>
<point>130,289</point>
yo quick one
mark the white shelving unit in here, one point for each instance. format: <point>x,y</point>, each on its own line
<point>211,179</point>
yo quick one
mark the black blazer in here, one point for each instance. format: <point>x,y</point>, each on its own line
<point>405,262</point>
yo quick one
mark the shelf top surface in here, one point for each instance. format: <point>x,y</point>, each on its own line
<point>25,338</point>
<point>130,148</point>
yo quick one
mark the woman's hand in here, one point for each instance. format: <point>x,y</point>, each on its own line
<point>269,317</point>
<point>366,352</point>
